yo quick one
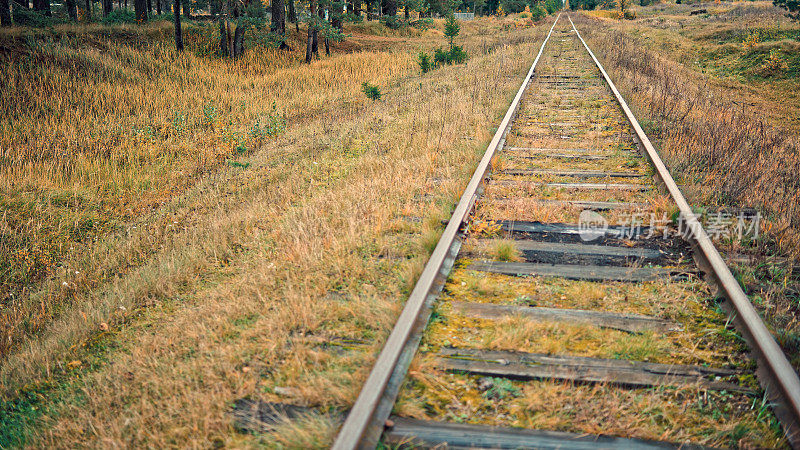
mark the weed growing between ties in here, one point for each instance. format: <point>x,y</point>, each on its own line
<point>718,419</point>
<point>684,414</point>
<point>702,338</point>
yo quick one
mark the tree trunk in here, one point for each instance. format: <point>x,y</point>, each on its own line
<point>149,7</point>
<point>293,16</point>
<point>370,15</point>
<point>187,11</point>
<point>176,11</point>
<point>72,9</point>
<point>140,6</point>
<point>231,40</point>
<point>158,7</point>
<point>5,14</point>
<point>88,11</point>
<point>107,6</point>
<point>312,32</point>
<point>223,37</point>
<point>238,40</point>
<point>316,32</point>
<point>279,22</point>
<point>315,43</point>
<point>405,11</point>
<point>357,7</point>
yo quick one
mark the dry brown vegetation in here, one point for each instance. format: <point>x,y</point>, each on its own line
<point>160,259</point>
<point>585,119</point>
<point>730,155</point>
<point>726,128</point>
<point>213,287</point>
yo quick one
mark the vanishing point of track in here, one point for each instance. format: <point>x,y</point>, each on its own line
<point>558,161</point>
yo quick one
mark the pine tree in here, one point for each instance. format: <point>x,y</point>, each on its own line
<point>451,29</point>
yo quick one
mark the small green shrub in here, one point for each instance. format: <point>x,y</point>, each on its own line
<point>119,16</point>
<point>457,55</point>
<point>441,57</point>
<point>168,16</point>
<point>538,12</point>
<point>371,91</point>
<point>424,62</point>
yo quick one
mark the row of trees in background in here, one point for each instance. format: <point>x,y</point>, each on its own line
<point>621,5</point>
<point>517,6</point>
<point>40,12</point>
<point>324,18</point>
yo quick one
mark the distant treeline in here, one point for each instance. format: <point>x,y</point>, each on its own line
<point>607,4</point>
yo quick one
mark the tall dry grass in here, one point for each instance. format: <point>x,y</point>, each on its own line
<point>157,319</point>
<point>94,134</point>
<point>730,154</point>
<point>725,154</point>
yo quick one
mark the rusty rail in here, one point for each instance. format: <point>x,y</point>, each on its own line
<point>775,373</point>
<point>363,425</point>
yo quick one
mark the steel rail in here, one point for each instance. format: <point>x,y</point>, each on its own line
<point>779,374</point>
<point>362,415</point>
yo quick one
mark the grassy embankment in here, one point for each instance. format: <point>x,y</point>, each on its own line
<point>718,93</point>
<point>182,231</point>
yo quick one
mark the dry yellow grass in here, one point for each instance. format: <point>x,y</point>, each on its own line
<point>209,296</point>
<point>725,126</point>
<point>98,131</point>
<point>673,415</point>
<point>703,337</point>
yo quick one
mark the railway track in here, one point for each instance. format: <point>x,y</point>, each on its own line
<point>564,308</point>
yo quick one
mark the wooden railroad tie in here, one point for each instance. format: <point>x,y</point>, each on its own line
<point>530,366</point>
